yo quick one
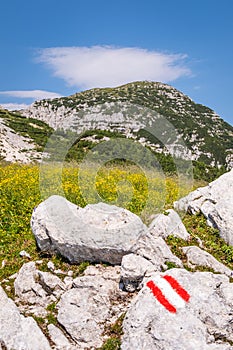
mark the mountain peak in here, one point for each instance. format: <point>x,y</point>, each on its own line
<point>208,138</point>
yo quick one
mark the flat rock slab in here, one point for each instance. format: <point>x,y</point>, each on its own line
<point>202,323</point>
<point>215,202</point>
<point>198,257</point>
<point>96,233</point>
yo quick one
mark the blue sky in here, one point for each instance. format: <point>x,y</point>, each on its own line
<point>55,48</point>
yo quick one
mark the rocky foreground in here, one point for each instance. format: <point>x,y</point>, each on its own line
<point>164,309</point>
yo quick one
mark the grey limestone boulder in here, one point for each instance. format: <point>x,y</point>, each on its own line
<point>202,323</point>
<point>215,202</point>
<point>167,224</point>
<point>97,233</point>
<point>198,257</point>
<point>16,331</point>
<point>156,251</point>
<point>94,302</point>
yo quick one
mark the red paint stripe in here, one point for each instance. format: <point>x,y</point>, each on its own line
<point>160,297</point>
<point>177,287</point>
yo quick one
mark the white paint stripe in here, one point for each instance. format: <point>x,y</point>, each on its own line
<point>169,292</point>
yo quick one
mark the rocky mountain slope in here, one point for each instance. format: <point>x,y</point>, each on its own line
<point>140,110</point>
<point>22,139</point>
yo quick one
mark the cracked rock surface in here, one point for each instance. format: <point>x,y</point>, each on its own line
<point>204,323</point>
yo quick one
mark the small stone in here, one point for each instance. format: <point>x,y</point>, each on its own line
<point>68,282</point>
<point>5,280</point>
<point>23,254</point>
<point>70,273</point>
<point>8,288</point>
<point>39,262</point>
<point>51,266</point>
<point>59,272</point>
<point>13,277</point>
<point>156,251</point>
<point>3,263</point>
<point>51,284</point>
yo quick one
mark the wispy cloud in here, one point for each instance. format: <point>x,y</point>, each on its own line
<point>14,106</point>
<point>33,94</point>
<point>102,66</point>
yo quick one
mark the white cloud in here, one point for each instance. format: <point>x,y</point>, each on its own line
<point>33,94</point>
<point>14,106</point>
<point>102,66</point>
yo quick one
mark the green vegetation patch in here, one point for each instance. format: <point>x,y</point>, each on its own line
<point>211,240</point>
<point>35,129</point>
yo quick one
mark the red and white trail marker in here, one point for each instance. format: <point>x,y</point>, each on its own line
<point>168,292</point>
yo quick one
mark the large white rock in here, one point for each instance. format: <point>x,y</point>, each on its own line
<point>204,323</point>
<point>215,201</point>
<point>16,331</point>
<point>97,233</point>
<point>198,257</point>
<point>167,224</point>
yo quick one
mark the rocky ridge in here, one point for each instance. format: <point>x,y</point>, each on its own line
<point>133,108</point>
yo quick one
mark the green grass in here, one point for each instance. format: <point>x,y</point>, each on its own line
<point>212,242</point>
<point>115,331</point>
<point>111,344</point>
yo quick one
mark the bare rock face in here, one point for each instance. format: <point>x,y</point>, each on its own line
<point>202,323</point>
<point>16,331</point>
<point>215,201</point>
<point>167,224</point>
<point>94,301</point>
<point>198,257</point>
<point>97,233</point>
